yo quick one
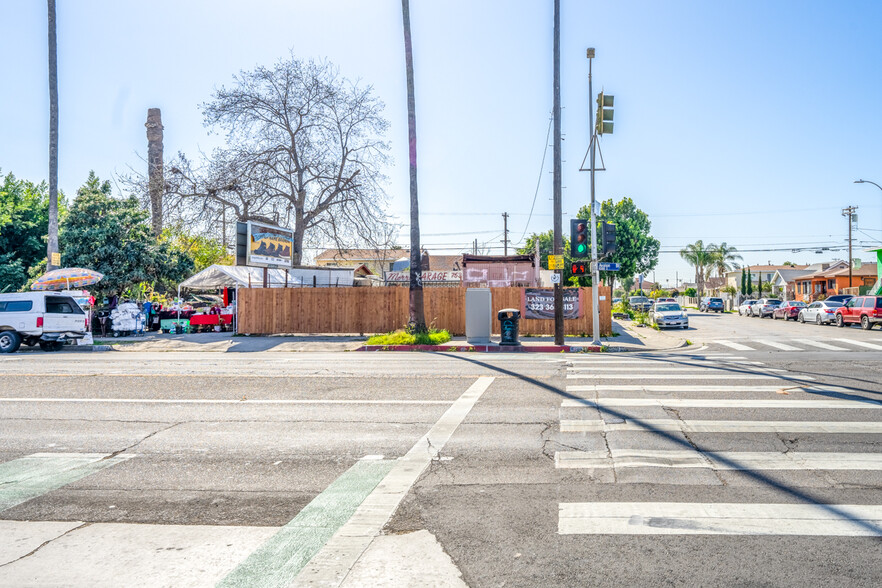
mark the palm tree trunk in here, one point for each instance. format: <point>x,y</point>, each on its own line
<point>417,319</point>
<point>155,183</point>
<point>52,243</point>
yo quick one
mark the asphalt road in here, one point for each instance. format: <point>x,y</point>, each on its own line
<point>708,466</point>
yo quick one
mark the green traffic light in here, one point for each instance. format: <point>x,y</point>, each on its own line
<point>581,248</point>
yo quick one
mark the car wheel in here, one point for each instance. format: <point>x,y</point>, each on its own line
<point>865,323</point>
<point>10,341</point>
<point>839,322</point>
<point>801,318</point>
<point>818,320</point>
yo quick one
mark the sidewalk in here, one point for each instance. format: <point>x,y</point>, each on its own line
<point>629,338</point>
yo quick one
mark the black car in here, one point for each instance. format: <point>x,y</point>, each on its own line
<point>841,298</point>
<point>710,303</point>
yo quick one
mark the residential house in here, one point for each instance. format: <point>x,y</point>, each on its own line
<point>832,280</point>
<point>758,273</point>
<point>375,260</point>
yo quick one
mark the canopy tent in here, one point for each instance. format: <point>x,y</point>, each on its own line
<point>232,276</point>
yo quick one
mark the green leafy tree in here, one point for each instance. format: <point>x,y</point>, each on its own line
<point>24,221</point>
<point>636,249</point>
<point>743,281</point>
<point>203,250</point>
<point>111,235</point>
<point>690,293</point>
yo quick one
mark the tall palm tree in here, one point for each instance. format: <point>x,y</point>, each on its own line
<point>52,243</point>
<point>417,318</point>
<point>701,258</point>
<point>724,258</point>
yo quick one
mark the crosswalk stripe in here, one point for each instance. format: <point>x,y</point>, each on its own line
<point>706,376</point>
<point>820,345</point>
<point>721,403</point>
<point>861,344</point>
<point>735,346</point>
<point>663,388</point>
<point>707,369</point>
<point>683,518</point>
<point>28,477</point>
<point>777,345</point>
<point>700,426</point>
<point>718,460</point>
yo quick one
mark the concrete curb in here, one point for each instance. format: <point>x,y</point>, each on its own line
<point>487,348</point>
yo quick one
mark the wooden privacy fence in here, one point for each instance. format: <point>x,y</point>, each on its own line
<point>380,310</point>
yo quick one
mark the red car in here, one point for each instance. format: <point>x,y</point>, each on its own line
<point>788,310</point>
<point>866,310</point>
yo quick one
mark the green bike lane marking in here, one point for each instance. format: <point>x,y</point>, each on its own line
<point>278,561</point>
<point>32,476</point>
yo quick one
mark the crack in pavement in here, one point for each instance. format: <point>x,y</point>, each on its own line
<point>676,414</point>
<point>45,543</point>
<point>133,445</point>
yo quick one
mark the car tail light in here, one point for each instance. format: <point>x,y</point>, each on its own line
<point>39,322</point>
<point>828,311</point>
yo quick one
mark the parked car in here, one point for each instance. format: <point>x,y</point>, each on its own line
<point>665,300</point>
<point>669,314</point>
<point>616,300</point>
<point>820,312</point>
<point>744,309</point>
<point>641,303</point>
<point>788,310</point>
<point>708,304</point>
<point>44,318</point>
<point>840,298</point>
<point>764,307</point>
<point>866,310</point>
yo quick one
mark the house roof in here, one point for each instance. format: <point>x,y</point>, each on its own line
<point>866,270</point>
<point>362,254</point>
<point>445,263</point>
<point>824,273</point>
<point>789,275</point>
<point>766,268</point>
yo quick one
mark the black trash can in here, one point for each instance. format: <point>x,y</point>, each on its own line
<point>509,318</point>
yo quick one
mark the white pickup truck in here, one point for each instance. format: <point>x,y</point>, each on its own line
<point>44,318</point>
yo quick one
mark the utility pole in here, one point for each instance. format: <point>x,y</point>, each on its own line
<point>505,233</point>
<point>595,274</point>
<point>558,237</point>
<point>476,247</point>
<point>849,213</point>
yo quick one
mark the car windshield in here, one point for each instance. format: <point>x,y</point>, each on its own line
<point>773,301</point>
<point>639,299</point>
<point>667,307</point>
<point>797,304</point>
<point>879,302</point>
<point>715,300</point>
<point>833,304</point>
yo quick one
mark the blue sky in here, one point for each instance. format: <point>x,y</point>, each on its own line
<point>744,122</point>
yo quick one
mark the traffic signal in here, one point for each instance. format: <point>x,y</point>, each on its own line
<point>578,268</point>
<point>608,240</point>
<point>604,119</point>
<point>578,238</point>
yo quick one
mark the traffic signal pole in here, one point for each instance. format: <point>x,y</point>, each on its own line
<point>595,274</point>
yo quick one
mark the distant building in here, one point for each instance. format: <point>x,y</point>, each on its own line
<point>764,273</point>
<point>832,280</point>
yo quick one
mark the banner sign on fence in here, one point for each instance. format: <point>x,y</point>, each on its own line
<point>428,276</point>
<point>539,303</point>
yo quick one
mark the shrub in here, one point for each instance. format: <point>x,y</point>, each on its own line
<point>690,293</point>
<point>402,337</point>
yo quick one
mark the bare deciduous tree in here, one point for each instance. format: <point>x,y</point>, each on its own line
<point>305,148</point>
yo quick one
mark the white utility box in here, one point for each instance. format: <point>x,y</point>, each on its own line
<point>478,302</point>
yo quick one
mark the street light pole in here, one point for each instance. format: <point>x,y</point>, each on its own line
<point>556,191</point>
<point>595,275</point>
<point>868,182</point>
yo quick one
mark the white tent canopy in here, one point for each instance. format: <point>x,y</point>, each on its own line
<point>232,276</point>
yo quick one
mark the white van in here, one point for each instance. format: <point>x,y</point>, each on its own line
<point>45,318</point>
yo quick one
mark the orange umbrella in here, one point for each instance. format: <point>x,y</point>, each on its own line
<point>66,278</point>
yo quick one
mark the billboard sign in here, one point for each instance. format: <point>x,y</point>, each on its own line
<point>269,246</point>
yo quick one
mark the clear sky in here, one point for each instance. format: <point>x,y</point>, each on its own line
<point>744,122</point>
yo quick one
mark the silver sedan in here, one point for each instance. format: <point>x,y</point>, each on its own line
<point>820,312</point>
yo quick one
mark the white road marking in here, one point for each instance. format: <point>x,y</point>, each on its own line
<point>861,344</point>
<point>220,401</point>
<point>777,345</point>
<point>676,518</point>
<point>721,403</point>
<point>653,388</point>
<point>719,460</point>
<point>706,376</point>
<point>820,345</point>
<point>331,564</point>
<point>692,367</point>
<point>697,426</point>
<point>735,346</point>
